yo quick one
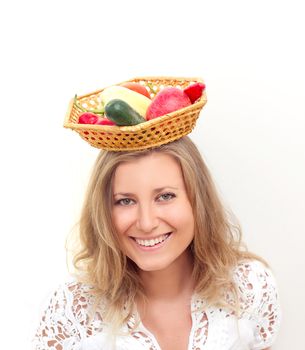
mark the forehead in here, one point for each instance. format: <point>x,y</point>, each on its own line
<point>154,170</point>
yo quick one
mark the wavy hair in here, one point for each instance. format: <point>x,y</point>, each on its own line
<point>216,248</point>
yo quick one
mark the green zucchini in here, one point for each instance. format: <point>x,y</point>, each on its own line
<point>122,114</point>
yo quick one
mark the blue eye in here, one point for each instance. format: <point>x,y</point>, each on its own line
<point>124,202</point>
<point>166,196</point>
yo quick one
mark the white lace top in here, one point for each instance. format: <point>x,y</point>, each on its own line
<point>64,324</point>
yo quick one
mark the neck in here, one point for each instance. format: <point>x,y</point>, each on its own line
<point>170,283</point>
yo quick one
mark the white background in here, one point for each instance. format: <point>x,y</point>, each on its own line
<point>251,132</point>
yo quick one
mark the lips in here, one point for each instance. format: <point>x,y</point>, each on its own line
<point>151,242</point>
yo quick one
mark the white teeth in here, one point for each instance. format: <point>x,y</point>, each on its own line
<point>151,242</point>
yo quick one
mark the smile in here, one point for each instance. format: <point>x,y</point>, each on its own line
<point>152,242</point>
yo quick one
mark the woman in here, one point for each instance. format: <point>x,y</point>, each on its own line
<point>160,265</point>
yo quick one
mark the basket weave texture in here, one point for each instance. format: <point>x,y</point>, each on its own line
<point>145,135</point>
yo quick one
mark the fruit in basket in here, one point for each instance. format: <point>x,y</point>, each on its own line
<point>167,100</point>
<point>137,88</point>
<point>194,91</point>
<point>135,100</point>
<point>93,119</point>
<point>88,118</point>
<point>122,114</point>
<point>105,121</point>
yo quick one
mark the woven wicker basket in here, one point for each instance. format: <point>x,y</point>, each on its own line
<point>149,134</point>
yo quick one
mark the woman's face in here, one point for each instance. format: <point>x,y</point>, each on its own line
<point>151,212</point>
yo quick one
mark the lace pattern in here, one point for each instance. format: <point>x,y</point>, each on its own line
<point>66,322</point>
<point>201,320</point>
<point>259,300</point>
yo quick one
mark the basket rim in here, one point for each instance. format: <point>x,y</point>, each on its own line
<point>195,79</point>
<point>133,128</point>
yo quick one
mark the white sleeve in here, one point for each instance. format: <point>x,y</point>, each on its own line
<point>58,328</point>
<point>260,302</point>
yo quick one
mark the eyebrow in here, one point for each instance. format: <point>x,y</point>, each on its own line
<point>160,189</point>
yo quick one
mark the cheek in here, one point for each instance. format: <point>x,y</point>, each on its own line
<point>123,218</point>
<point>187,217</point>
<point>186,222</point>
<point>181,216</point>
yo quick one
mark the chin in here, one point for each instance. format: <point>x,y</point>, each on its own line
<point>150,266</point>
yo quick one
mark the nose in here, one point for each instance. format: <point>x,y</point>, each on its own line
<point>147,220</point>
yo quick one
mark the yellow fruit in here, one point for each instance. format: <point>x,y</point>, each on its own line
<point>135,100</point>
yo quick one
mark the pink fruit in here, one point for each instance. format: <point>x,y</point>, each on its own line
<point>105,121</point>
<point>168,100</point>
<point>88,118</point>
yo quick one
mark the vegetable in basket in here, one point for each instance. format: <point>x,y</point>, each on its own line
<point>105,121</point>
<point>88,118</point>
<point>194,91</point>
<point>134,99</point>
<point>122,114</point>
<point>91,118</point>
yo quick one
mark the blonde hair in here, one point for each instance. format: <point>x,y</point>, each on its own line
<point>216,247</point>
